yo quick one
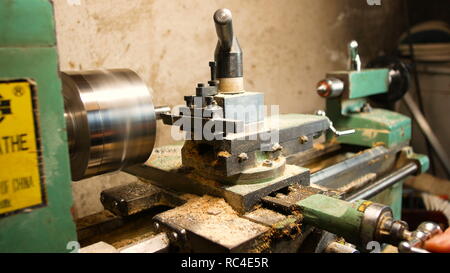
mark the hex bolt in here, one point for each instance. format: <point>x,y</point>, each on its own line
<point>156,225</point>
<point>303,139</point>
<point>242,157</point>
<point>321,113</point>
<point>277,147</point>
<point>267,163</point>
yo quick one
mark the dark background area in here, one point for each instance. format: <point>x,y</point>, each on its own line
<point>424,10</point>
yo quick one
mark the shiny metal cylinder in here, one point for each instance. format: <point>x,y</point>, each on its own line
<point>330,88</point>
<point>111,121</point>
<point>159,110</point>
<point>384,183</point>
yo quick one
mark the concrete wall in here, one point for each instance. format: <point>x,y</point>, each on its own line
<point>288,46</point>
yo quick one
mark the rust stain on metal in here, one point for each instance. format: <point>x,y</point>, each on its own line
<point>224,154</point>
<point>372,133</point>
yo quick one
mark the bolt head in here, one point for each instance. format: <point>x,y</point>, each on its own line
<point>277,147</point>
<point>242,157</point>
<point>267,163</point>
<point>303,139</point>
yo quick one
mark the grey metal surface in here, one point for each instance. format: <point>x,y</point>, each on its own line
<point>241,197</point>
<point>282,135</point>
<point>164,170</point>
<point>383,183</point>
<point>207,224</point>
<point>287,127</point>
<point>375,160</point>
<point>248,106</point>
<point>111,121</point>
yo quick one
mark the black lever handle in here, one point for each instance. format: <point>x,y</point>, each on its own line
<point>224,28</point>
<point>228,54</point>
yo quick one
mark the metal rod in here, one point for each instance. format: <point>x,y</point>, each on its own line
<point>355,61</point>
<point>428,132</point>
<point>224,28</point>
<point>161,110</point>
<point>383,183</point>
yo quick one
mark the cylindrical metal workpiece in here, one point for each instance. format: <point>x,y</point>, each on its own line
<point>159,110</point>
<point>111,121</point>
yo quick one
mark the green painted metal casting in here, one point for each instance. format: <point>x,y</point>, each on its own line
<point>28,50</point>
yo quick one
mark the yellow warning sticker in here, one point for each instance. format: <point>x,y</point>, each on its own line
<point>21,177</point>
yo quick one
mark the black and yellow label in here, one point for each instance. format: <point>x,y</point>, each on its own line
<point>21,177</point>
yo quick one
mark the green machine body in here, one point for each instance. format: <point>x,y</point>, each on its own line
<point>28,53</point>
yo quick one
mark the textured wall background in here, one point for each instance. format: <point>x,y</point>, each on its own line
<point>288,46</point>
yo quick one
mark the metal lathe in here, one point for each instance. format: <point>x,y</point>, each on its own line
<point>241,181</point>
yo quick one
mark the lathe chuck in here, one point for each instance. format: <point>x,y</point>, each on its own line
<point>111,120</point>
